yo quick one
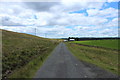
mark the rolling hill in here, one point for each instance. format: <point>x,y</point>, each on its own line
<point>23,53</point>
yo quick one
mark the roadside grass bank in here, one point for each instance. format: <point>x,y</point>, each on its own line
<point>112,43</point>
<point>29,70</point>
<point>104,58</point>
<point>23,54</point>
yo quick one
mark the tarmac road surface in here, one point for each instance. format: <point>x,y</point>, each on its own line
<point>62,64</point>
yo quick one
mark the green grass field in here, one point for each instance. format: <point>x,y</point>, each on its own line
<point>102,57</point>
<point>113,44</point>
<point>23,54</point>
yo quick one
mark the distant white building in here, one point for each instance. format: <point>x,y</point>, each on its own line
<point>71,39</point>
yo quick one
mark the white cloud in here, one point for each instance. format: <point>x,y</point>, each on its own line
<point>20,29</point>
<point>52,17</point>
<point>67,6</point>
<point>55,19</point>
<point>40,6</point>
<point>109,12</point>
<point>11,8</point>
<point>44,18</point>
<point>109,32</point>
<point>67,19</point>
<point>113,0</point>
<point>113,23</point>
<point>82,28</point>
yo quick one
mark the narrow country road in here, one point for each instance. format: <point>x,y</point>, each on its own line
<point>62,64</point>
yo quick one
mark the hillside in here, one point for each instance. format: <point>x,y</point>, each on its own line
<point>23,53</point>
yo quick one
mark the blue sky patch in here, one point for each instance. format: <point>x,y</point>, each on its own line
<point>112,4</point>
<point>80,11</point>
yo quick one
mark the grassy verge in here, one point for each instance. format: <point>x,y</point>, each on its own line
<point>112,43</point>
<point>104,58</point>
<point>23,53</point>
<point>29,70</point>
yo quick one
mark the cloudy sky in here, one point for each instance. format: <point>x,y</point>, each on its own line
<point>61,19</point>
